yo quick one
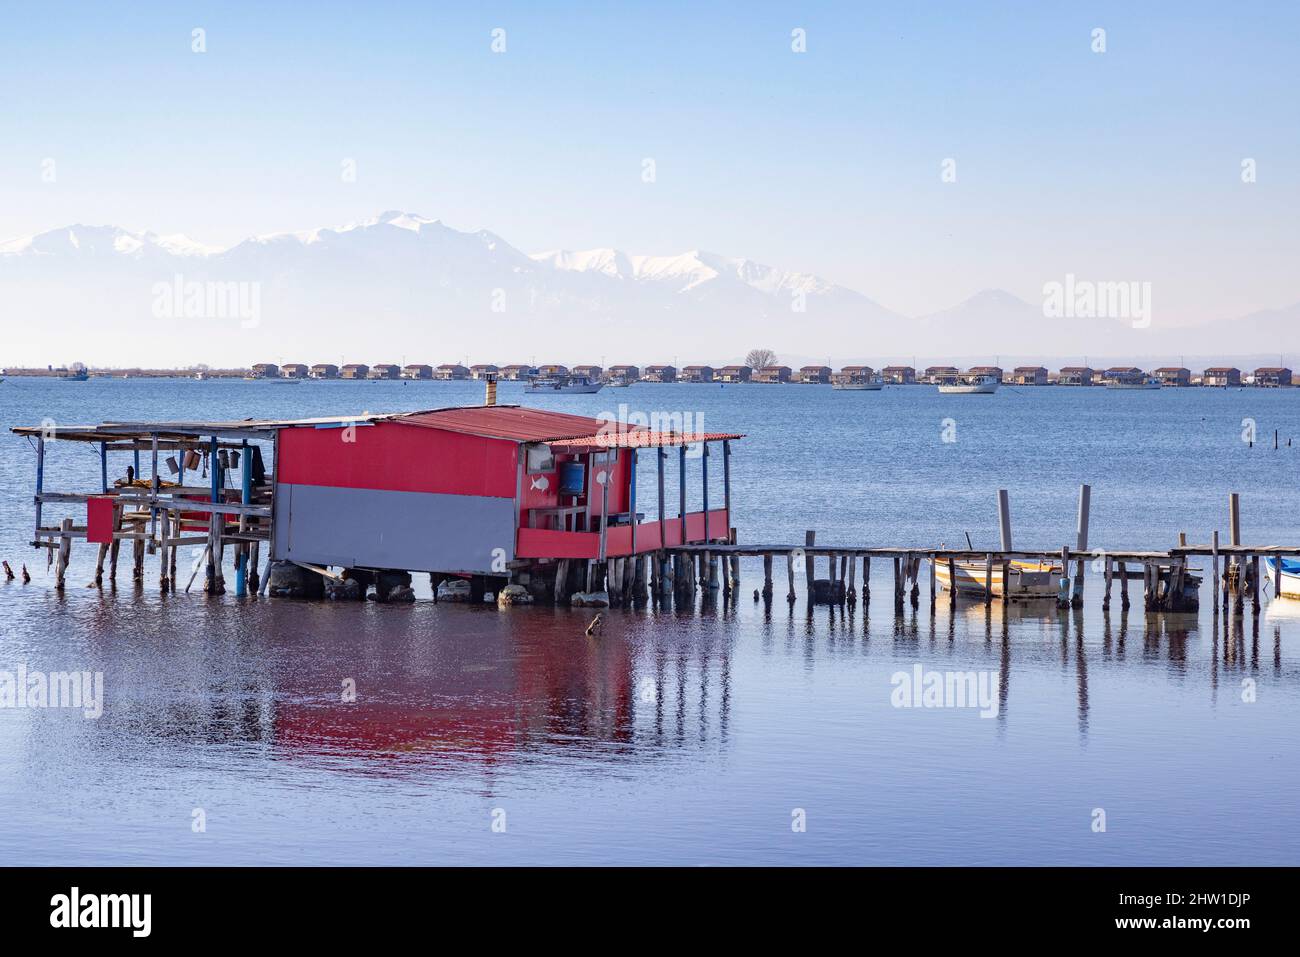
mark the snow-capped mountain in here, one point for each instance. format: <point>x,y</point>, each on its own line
<point>411,286</point>
<point>400,284</point>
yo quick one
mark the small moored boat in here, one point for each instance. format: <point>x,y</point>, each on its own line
<point>857,383</point>
<point>1290,578</point>
<point>562,385</point>
<point>1143,384</point>
<point>970,385</point>
<point>1024,580</point>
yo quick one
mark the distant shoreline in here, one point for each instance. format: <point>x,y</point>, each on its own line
<point>1220,376</point>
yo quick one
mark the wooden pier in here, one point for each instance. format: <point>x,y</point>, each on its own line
<point>617,560</point>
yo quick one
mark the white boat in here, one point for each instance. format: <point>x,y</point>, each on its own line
<point>858,384</point>
<point>1025,580</point>
<point>1146,382</point>
<point>562,385</point>
<point>619,383</point>
<point>284,381</point>
<point>970,385</point>
<point>1290,575</point>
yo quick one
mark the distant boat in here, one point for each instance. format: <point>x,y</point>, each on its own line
<point>1025,580</point>
<point>618,382</point>
<point>200,376</point>
<point>858,384</point>
<point>970,385</point>
<point>284,381</point>
<point>1146,382</point>
<point>562,385</point>
<point>77,375</point>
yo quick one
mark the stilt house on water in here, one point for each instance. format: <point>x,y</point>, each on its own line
<point>487,491</point>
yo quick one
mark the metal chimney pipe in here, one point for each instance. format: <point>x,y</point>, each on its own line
<point>491,397</point>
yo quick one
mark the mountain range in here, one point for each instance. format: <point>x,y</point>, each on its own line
<point>404,287</point>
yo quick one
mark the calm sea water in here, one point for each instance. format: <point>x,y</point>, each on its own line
<point>680,737</point>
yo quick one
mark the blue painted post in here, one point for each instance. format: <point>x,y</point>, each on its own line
<point>214,468</point>
<point>706,489</point>
<point>632,500</point>
<point>40,482</point>
<point>241,561</point>
<point>681,480</point>
<point>103,466</point>
<point>137,462</point>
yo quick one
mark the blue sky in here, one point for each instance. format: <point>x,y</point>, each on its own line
<point>1120,165</point>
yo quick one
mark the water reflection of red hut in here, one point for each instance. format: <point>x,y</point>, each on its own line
<point>542,686</point>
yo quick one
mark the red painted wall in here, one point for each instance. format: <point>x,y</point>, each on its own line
<point>399,458</point>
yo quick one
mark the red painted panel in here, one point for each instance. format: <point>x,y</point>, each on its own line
<point>99,520</point>
<point>398,458</point>
<point>547,543</point>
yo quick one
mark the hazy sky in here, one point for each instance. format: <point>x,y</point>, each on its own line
<point>1117,165</point>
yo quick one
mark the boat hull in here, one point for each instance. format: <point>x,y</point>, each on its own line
<point>964,388</point>
<point>1024,580</point>
<point>1290,584</point>
<point>856,386</point>
<point>590,389</point>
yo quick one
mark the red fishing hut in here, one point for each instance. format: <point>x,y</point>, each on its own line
<point>488,491</point>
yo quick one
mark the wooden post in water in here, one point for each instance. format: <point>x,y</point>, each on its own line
<point>1109,573</point>
<point>64,554</point>
<point>1004,518</point>
<point>561,580</point>
<point>952,582</point>
<point>914,566</point>
<point>789,569</point>
<point>853,579</point>
<point>1277,576</point>
<point>735,562</point>
<point>898,585</point>
<point>1123,585</point>
<point>116,546</point>
<point>1214,558</point>
<point>933,576</point>
<point>1254,583</point>
<point>809,537</point>
<point>1065,568</point>
<point>988,578</point>
<point>1234,537</point>
<point>1081,543</point>
<point>767,575</point>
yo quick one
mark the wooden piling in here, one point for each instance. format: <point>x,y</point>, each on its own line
<point>789,568</point>
<point>64,552</point>
<point>561,580</point>
<point>809,539</point>
<point>116,545</point>
<point>988,578</point>
<point>767,575</point>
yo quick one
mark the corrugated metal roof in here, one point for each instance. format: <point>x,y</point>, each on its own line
<point>511,422</point>
<point>505,422</point>
<point>640,439</point>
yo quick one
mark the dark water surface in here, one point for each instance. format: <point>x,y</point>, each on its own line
<point>687,737</point>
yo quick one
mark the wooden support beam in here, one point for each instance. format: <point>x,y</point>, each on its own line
<point>809,538</point>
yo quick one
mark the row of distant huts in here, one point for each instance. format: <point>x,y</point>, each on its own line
<point>1175,376</point>
<point>1168,376</point>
